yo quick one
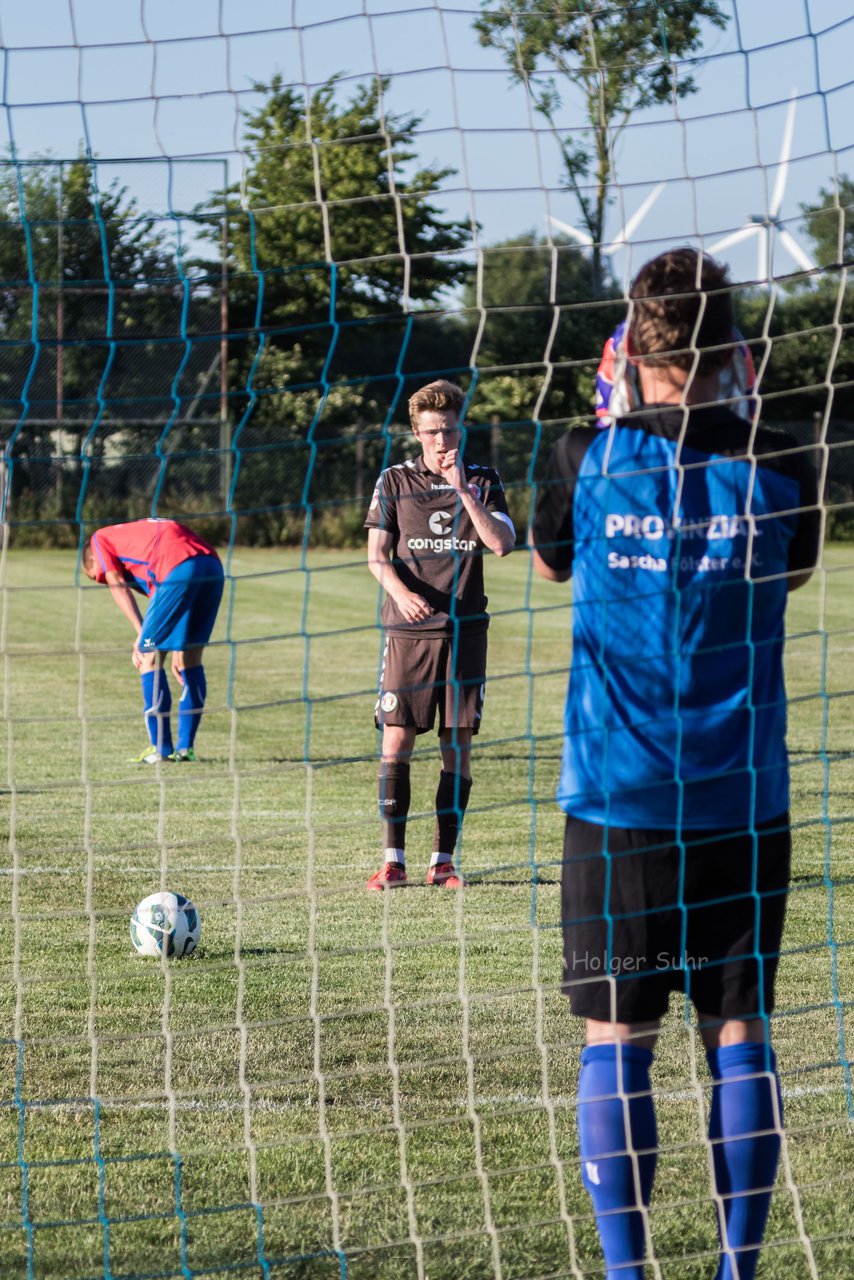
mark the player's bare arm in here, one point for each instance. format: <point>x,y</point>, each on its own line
<point>413,606</point>
<point>494,533</point>
<point>123,596</point>
<point>543,569</point>
<point>120,590</point>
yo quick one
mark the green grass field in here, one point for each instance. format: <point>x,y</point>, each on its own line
<point>341,1084</point>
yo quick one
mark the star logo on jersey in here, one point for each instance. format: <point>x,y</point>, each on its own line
<point>388,702</point>
<point>436,525</point>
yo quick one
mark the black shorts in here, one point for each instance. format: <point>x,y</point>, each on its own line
<point>423,673</point>
<point>649,917</point>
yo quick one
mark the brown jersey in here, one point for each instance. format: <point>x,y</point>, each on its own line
<point>436,549</point>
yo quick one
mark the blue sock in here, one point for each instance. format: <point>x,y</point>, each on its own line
<point>157,700</point>
<point>191,705</point>
<point>745,1161</point>
<point>612,1179</point>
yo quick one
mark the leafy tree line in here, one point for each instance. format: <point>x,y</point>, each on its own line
<point>323,358</point>
<point>92,306</point>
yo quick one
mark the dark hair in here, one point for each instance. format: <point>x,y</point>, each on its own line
<point>681,304</point>
<point>440,396</point>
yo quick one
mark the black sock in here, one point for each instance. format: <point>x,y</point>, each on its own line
<point>452,796</point>
<point>394,795</point>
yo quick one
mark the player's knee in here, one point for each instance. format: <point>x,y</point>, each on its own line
<point>398,743</point>
<point>191,657</point>
<point>642,1034</point>
<point>455,745</point>
<point>722,1033</point>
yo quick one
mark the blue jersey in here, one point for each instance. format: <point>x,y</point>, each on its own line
<point>680,538</point>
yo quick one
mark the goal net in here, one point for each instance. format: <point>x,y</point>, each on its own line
<point>234,240</point>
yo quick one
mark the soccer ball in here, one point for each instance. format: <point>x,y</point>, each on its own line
<point>165,924</point>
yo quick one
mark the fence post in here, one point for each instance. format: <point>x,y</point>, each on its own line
<point>225,457</point>
<point>495,442</point>
<point>60,339</point>
<point>360,470</point>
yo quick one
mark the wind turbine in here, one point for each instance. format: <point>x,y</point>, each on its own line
<point>763,227</point>
<point>623,237</point>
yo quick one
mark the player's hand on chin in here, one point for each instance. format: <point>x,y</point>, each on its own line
<point>413,607</point>
<point>451,464</point>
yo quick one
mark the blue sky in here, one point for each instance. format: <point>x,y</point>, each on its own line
<point>165,81</point>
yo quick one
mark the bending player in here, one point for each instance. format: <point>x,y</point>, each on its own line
<point>182,575</point>
<point>683,527</point>
<point>429,523</point>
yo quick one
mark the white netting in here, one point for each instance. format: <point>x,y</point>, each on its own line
<point>234,238</point>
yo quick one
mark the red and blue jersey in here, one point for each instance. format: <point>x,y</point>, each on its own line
<point>145,551</point>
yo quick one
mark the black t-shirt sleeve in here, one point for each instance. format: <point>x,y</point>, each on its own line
<point>490,490</point>
<point>552,529</point>
<point>805,547</point>
<point>783,453</point>
<point>382,512</point>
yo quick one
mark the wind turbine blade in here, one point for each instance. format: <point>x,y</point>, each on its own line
<point>795,251</point>
<point>785,153</point>
<point>635,220</point>
<point>763,264</point>
<point>736,238</point>
<point>581,236</point>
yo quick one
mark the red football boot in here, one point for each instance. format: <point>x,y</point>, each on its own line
<point>444,874</point>
<point>391,875</point>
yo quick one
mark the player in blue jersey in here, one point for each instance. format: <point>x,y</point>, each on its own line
<point>683,527</point>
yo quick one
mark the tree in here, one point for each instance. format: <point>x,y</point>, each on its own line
<point>806,362</point>
<point>319,161</point>
<point>335,241</point>
<point>542,339</point>
<point>830,223</point>
<point>804,350</point>
<point>84,281</point>
<point>621,57</point>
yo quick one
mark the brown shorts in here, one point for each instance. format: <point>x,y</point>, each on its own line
<point>421,673</point>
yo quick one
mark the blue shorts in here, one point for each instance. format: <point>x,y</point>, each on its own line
<point>183,608</point>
